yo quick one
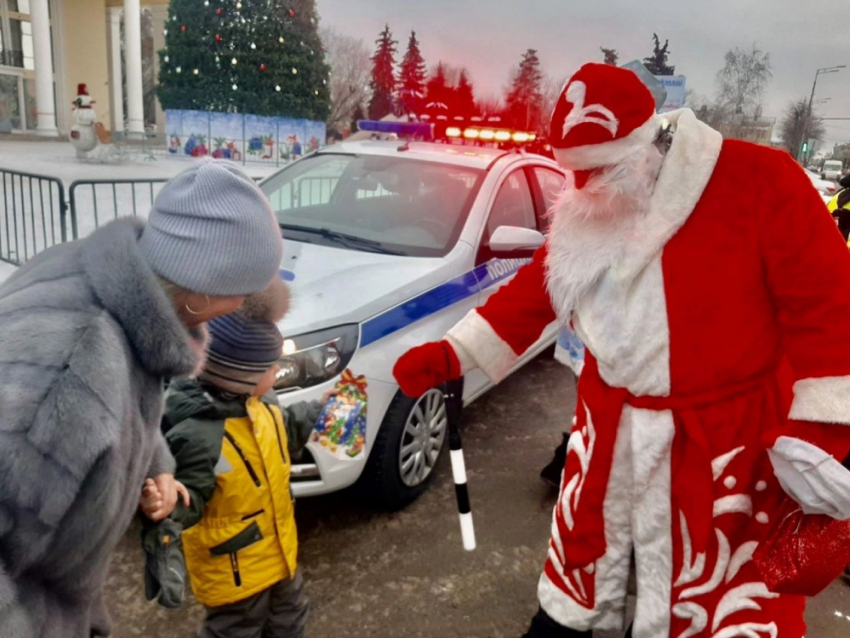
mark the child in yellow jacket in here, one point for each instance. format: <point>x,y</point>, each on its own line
<point>233,447</point>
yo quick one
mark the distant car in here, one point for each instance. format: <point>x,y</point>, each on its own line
<point>826,189</point>
<point>387,246</point>
<point>832,169</point>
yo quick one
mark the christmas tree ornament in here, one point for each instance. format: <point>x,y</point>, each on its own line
<point>291,13</point>
<point>233,61</point>
<point>217,37</point>
<point>253,46</point>
<point>179,69</point>
<point>294,71</point>
<point>166,58</point>
<point>165,32</point>
<point>235,87</point>
<point>196,71</point>
<point>218,12</point>
<point>206,3</point>
<point>238,5</point>
<point>183,28</point>
<point>277,87</point>
<point>281,40</point>
<point>317,91</point>
<point>262,67</point>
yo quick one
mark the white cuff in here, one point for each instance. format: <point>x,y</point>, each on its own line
<point>812,477</point>
<point>822,399</point>
<point>477,340</point>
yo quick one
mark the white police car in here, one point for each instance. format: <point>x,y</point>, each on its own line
<point>387,246</point>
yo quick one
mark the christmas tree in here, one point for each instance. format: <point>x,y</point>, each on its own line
<point>244,56</point>
<point>383,76</point>
<point>524,97</point>
<point>412,77</point>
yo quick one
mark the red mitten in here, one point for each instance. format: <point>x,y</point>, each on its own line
<point>425,367</point>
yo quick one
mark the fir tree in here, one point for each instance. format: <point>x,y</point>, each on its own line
<point>248,56</point>
<point>522,103</point>
<point>465,96</point>
<point>611,56</point>
<point>383,76</point>
<point>438,96</point>
<point>412,77</point>
<point>657,62</point>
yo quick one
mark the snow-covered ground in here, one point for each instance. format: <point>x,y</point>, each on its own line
<point>38,224</point>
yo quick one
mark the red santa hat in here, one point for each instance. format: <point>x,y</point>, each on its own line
<point>82,89</point>
<point>603,115</point>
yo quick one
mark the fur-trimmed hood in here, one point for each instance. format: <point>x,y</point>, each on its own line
<point>128,289</point>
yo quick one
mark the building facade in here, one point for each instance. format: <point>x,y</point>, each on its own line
<point>48,47</point>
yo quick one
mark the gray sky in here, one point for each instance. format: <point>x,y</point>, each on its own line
<point>489,36</point>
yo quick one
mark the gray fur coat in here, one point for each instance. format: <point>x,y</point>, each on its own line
<point>86,338</point>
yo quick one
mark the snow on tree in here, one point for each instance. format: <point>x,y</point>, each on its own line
<point>383,82</point>
<point>412,77</point>
<point>245,56</point>
<point>439,98</point>
<point>523,101</point>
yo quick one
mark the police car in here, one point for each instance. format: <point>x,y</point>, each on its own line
<point>387,246</point>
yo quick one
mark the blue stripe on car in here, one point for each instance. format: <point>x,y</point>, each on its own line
<point>438,298</point>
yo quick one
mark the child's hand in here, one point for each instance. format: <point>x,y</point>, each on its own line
<point>159,496</point>
<point>328,395</point>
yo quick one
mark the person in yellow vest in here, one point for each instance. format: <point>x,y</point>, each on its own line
<point>839,206</point>
<point>233,446</point>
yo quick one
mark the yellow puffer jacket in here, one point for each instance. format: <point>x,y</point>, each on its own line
<point>237,470</point>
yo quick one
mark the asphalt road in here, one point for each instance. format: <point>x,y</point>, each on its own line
<point>405,574</point>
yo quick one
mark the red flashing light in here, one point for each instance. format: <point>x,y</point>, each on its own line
<point>453,131</point>
<point>471,133</point>
<point>503,136</point>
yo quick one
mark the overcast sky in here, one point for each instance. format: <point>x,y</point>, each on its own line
<point>489,36</point>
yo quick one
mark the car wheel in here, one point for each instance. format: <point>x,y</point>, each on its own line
<point>406,451</point>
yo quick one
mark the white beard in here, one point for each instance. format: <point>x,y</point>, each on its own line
<point>593,227</point>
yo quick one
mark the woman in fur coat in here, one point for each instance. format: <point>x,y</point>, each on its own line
<point>89,331</point>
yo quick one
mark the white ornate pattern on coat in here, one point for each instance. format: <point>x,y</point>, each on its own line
<point>728,565</point>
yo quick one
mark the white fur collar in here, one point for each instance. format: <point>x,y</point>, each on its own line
<point>685,173</point>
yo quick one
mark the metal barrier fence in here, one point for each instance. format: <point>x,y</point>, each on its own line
<point>34,217</point>
<point>96,202</point>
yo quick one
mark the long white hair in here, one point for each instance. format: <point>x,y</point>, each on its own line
<point>592,226</point>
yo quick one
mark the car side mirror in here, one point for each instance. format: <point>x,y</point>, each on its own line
<point>511,238</point>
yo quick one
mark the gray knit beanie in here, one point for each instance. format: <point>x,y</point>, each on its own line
<point>212,231</point>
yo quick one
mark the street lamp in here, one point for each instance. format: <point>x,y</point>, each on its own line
<point>818,73</point>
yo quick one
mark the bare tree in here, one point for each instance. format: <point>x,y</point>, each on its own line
<point>742,81</point>
<point>350,62</point>
<point>550,91</point>
<point>490,105</point>
<point>792,128</point>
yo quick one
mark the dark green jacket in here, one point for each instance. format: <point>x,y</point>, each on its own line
<point>197,414</point>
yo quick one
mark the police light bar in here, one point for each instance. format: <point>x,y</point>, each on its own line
<point>490,134</point>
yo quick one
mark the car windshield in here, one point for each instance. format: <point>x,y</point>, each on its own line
<point>389,204</point>
<point>832,166</point>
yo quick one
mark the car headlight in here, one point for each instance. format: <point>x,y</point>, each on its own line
<point>316,357</point>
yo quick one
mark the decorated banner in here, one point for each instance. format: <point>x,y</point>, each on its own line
<point>341,427</point>
<point>237,137</point>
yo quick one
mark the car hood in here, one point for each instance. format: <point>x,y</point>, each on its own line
<point>332,286</point>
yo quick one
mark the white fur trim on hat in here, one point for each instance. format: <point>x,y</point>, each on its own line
<point>579,158</point>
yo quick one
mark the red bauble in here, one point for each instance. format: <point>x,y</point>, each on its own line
<point>183,28</point>
<point>262,67</point>
<point>217,37</point>
<point>218,12</point>
<point>292,13</point>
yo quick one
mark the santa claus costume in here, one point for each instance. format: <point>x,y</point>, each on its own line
<point>712,291</point>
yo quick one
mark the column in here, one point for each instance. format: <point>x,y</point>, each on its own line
<point>159,14</point>
<point>116,83</point>
<point>43,53</point>
<point>133,60</point>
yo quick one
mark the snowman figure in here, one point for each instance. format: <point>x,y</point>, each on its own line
<point>83,134</point>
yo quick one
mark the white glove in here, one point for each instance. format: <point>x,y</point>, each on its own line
<point>813,478</point>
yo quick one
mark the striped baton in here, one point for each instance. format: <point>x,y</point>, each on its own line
<point>467,531</point>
